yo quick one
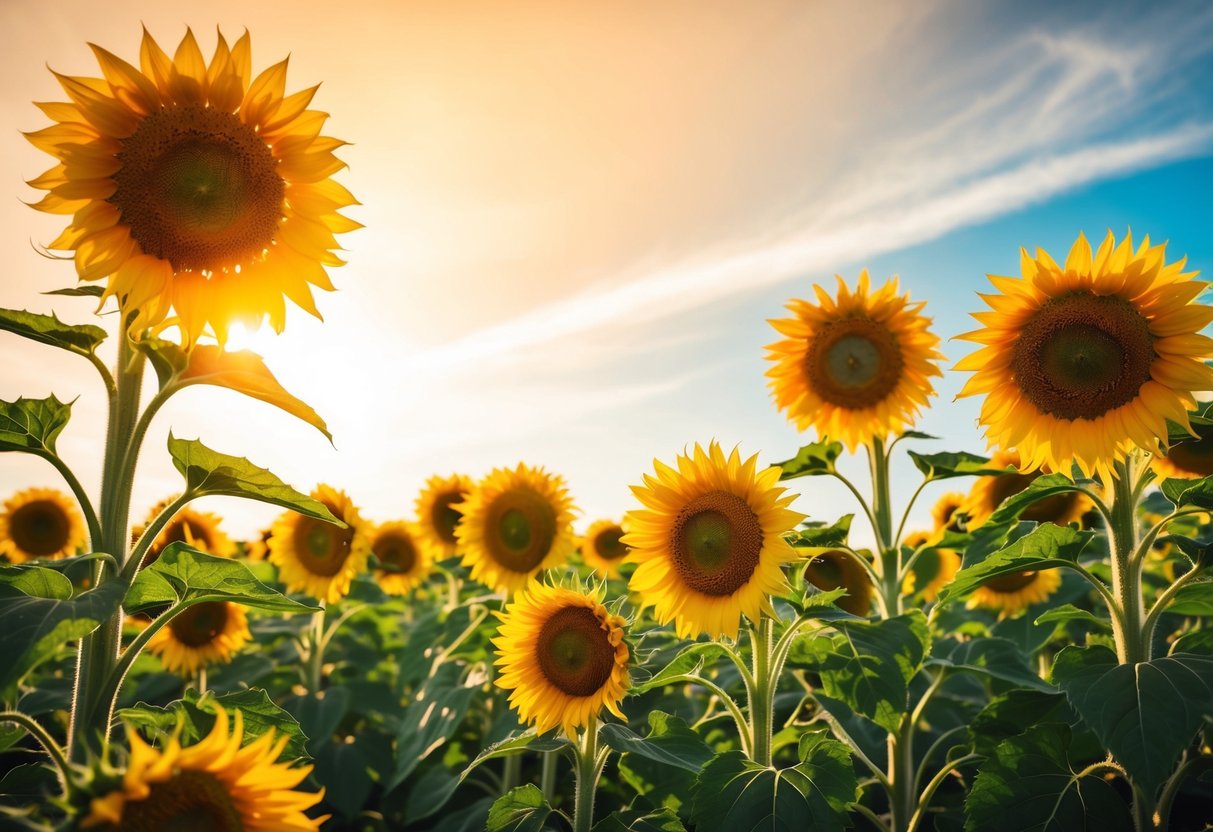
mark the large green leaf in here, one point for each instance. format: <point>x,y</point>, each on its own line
<point>735,794</point>
<point>319,714</point>
<point>81,339</point>
<point>430,720</point>
<point>211,472</point>
<point>32,425</point>
<point>1069,612</point>
<point>526,740</point>
<point>37,581</point>
<point>811,460</point>
<point>670,741</point>
<point>1182,493</point>
<point>1194,599</point>
<point>185,575</point>
<point>821,535</point>
<point>998,658</point>
<point>662,820</point>
<point>1013,713</point>
<point>1045,547</point>
<point>522,809</point>
<point>1144,713</point>
<point>1041,488</point>
<point>947,465</point>
<point>689,660</point>
<point>1029,785</point>
<point>868,664</point>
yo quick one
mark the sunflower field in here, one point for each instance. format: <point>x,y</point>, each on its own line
<point>714,660</point>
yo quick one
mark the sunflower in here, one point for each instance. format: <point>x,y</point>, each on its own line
<point>562,656</point>
<point>205,634</point>
<point>214,784</point>
<point>853,367</point>
<point>515,525</point>
<point>319,558</point>
<point>933,569</point>
<point>40,524</point>
<point>404,561</point>
<point>709,542</point>
<point>1189,459</point>
<point>603,548</point>
<point>834,569</point>
<point>258,549</point>
<point>1082,363</point>
<point>989,492</point>
<point>199,529</point>
<point>437,514</point>
<point>194,189</point>
<point>1013,593</point>
<point>947,513</point>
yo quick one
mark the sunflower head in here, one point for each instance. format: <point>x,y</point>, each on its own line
<point>708,543</point>
<point>947,513</point>
<point>1081,363</point>
<point>439,515</point>
<point>562,656</point>
<point>199,529</point>
<point>933,568</point>
<point>855,366</point>
<point>516,523</point>
<point>40,524</point>
<point>319,558</point>
<point>217,784</point>
<point>1011,594</point>
<point>197,190</point>
<point>989,492</point>
<point>205,634</point>
<point>834,569</point>
<point>404,560</point>
<point>603,548</point>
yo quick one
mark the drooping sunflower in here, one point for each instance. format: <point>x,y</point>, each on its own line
<point>438,515</point>
<point>1012,594</point>
<point>194,189</point>
<point>321,558</point>
<point>1081,363</point>
<point>709,541</point>
<point>562,656</point>
<point>516,523</point>
<point>199,529</point>
<point>1190,459</point>
<point>205,634</point>
<point>214,784</point>
<point>40,524</point>
<point>989,492</point>
<point>948,512</point>
<point>856,366</point>
<point>933,568</point>
<point>603,547</point>
<point>404,559</point>
<point>834,569</point>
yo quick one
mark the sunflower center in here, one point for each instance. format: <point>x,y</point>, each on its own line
<point>199,188</point>
<point>520,530</point>
<point>1049,510</point>
<point>396,552</point>
<point>322,547</point>
<point>609,544</point>
<point>854,363</point>
<point>575,651</point>
<point>1195,457</point>
<point>445,518</point>
<point>1012,582</point>
<point>715,541</point>
<point>191,801</point>
<point>1082,355</point>
<point>40,528</point>
<point>200,624</point>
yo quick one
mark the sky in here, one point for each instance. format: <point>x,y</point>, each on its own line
<point>579,217</point>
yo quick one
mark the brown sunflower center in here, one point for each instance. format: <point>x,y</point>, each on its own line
<point>199,188</point>
<point>715,542</point>
<point>575,652</point>
<point>854,363</point>
<point>40,528</point>
<point>396,552</point>
<point>191,801</point>
<point>322,548</point>
<point>1053,509</point>
<point>1082,355</point>
<point>1195,457</point>
<point>446,518</point>
<point>950,514</point>
<point>1013,582</point>
<point>609,544</point>
<point>201,624</point>
<point>520,530</point>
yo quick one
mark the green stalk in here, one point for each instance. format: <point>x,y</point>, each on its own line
<point>1129,630</point>
<point>547,776</point>
<point>47,742</point>
<point>762,694</point>
<point>589,767</point>
<point>882,513</point>
<point>315,659</point>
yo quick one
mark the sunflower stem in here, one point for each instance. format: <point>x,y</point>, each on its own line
<point>882,511</point>
<point>547,775</point>
<point>762,693</point>
<point>1130,630</point>
<point>589,767</point>
<point>315,658</point>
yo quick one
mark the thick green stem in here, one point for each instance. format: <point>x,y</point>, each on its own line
<point>901,776</point>
<point>1129,630</point>
<point>762,694</point>
<point>882,513</point>
<point>315,657</point>
<point>547,775</point>
<point>589,766</point>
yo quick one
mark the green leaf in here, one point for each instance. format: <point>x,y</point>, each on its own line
<point>688,661</point>
<point>522,809</point>
<point>81,339</point>
<point>1194,599</point>
<point>526,740</point>
<point>670,741</point>
<point>1013,713</point>
<point>32,425</point>
<point>947,465</point>
<point>196,717</point>
<point>915,434</point>
<point>1182,493</point>
<point>811,460</point>
<point>429,720</point>
<point>185,575</point>
<point>735,794</point>
<point>1045,547</point>
<point>998,658</point>
<point>1069,612</point>
<point>1199,641</point>
<point>821,536</point>
<point>1198,552</point>
<point>319,714</point>
<point>37,581</point>
<point>1040,488</point>
<point>88,290</point>
<point>868,664</point>
<point>1029,784</point>
<point>211,472</point>
<point>663,820</point>
<point>1146,713</point>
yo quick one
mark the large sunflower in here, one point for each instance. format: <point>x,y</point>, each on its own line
<point>199,529</point>
<point>854,367</point>
<point>438,515</point>
<point>214,784</point>
<point>834,569</point>
<point>988,493</point>
<point>562,656</point>
<point>404,559</point>
<point>195,189</point>
<point>1081,363</point>
<point>709,541</point>
<point>319,558</point>
<point>204,634</point>
<point>40,524</point>
<point>1012,594</point>
<point>933,569</point>
<point>603,548</point>
<point>515,525</point>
